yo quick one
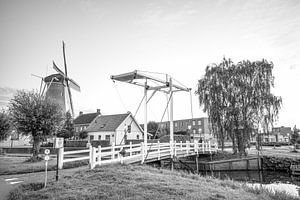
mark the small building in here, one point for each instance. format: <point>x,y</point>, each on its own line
<point>115,128</point>
<point>83,121</point>
<point>197,128</point>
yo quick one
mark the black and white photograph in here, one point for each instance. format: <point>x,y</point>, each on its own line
<point>150,99</point>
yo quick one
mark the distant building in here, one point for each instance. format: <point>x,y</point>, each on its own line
<point>196,128</point>
<point>114,127</point>
<point>278,134</point>
<point>83,121</point>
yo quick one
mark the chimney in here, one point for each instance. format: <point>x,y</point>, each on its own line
<point>80,113</point>
<point>98,111</point>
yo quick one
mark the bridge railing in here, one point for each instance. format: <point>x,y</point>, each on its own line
<point>138,152</point>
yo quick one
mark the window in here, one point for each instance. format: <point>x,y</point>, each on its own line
<point>194,131</point>
<point>129,129</point>
<point>199,122</point>
<point>107,137</point>
<point>199,130</point>
<point>175,124</point>
<point>137,137</point>
<point>194,123</point>
<point>91,137</point>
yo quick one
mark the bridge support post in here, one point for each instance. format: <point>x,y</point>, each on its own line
<point>197,163</point>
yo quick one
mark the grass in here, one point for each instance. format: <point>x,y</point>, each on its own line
<point>140,182</point>
<point>20,165</point>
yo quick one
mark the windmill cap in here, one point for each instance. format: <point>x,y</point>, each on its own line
<point>55,77</point>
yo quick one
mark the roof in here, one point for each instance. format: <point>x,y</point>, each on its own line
<point>86,118</point>
<point>107,122</point>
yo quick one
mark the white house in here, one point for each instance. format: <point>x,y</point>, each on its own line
<point>114,127</point>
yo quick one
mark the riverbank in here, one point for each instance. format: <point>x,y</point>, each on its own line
<point>141,182</point>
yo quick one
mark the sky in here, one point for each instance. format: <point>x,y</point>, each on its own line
<point>179,37</point>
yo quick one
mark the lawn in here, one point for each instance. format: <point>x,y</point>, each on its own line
<point>19,165</point>
<point>140,182</point>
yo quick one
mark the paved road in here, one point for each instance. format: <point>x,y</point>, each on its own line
<point>8,182</point>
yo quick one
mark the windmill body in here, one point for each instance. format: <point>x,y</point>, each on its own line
<point>56,90</point>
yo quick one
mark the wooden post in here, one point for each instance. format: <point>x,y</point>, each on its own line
<point>187,147</point>
<point>99,155</point>
<point>180,145</point>
<point>113,151</point>
<point>60,158</point>
<point>209,147</point>
<point>202,146</point>
<point>93,158</point>
<point>258,161</point>
<point>247,161</point>
<point>130,148</point>
<point>171,150</point>
<point>197,164</point>
<point>90,154</point>
<point>158,149</point>
<point>230,165</point>
<point>142,152</point>
<point>175,153</point>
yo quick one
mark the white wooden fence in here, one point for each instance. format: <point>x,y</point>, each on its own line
<point>134,153</point>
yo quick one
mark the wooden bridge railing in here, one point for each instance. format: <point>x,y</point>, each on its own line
<point>135,152</point>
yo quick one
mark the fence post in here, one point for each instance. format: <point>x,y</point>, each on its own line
<point>209,146</point>
<point>92,157</point>
<point>90,154</point>
<point>202,143</point>
<point>175,148</point>
<point>113,151</point>
<point>187,147</point>
<point>99,155</point>
<point>130,149</point>
<point>142,152</point>
<point>180,145</point>
<point>158,149</point>
<point>60,158</point>
<point>195,146</point>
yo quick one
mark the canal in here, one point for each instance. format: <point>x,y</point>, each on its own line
<point>280,181</point>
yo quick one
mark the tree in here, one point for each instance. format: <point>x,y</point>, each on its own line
<point>67,130</point>
<point>35,115</point>
<point>5,125</point>
<point>295,138</point>
<point>83,134</point>
<point>152,127</point>
<point>238,99</point>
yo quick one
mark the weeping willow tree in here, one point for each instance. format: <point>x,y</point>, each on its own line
<point>238,99</point>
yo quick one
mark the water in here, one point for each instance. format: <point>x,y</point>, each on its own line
<point>280,181</point>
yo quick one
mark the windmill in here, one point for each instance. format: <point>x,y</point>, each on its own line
<point>55,85</point>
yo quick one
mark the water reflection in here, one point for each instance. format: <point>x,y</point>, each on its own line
<point>280,181</point>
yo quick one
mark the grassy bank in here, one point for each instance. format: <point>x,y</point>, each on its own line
<point>19,165</point>
<point>140,182</point>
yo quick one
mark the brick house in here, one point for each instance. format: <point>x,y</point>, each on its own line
<point>83,121</point>
<point>114,127</point>
<point>197,128</point>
